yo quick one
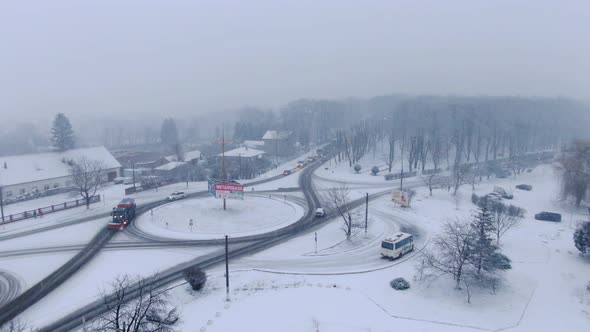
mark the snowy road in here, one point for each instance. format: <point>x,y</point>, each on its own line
<point>9,287</point>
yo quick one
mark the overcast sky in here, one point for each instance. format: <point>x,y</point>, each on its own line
<point>179,56</point>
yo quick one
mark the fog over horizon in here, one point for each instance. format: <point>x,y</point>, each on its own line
<point>180,57</point>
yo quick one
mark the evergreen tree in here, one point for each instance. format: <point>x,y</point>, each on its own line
<point>582,237</point>
<point>62,134</point>
<point>169,135</point>
<point>484,250</point>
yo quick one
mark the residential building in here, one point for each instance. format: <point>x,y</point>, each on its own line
<point>21,175</point>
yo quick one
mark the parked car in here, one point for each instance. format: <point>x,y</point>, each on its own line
<point>508,196</point>
<point>548,216</point>
<point>526,187</point>
<point>176,195</point>
<point>286,172</point>
<point>119,180</point>
<point>500,190</point>
<point>320,212</point>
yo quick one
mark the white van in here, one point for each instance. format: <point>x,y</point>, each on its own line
<point>397,246</point>
<point>319,212</point>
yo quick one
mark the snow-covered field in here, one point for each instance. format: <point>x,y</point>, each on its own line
<point>544,291</point>
<point>254,215</point>
<point>86,285</point>
<point>343,285</point>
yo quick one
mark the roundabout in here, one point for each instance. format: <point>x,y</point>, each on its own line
<point>10,287</point>
<point>205,219</point>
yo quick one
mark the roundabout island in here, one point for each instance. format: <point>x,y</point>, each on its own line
<point>205,218</point>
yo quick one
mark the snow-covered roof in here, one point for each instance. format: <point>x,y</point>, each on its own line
<point>191,155</point>
<point>188,156</point>
<point>276,134</point>
<point>170,166</point>
<point>252,144</point>
<point>33,167</point>
<point>243,152</point>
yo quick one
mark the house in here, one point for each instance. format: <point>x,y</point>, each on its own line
<point>254,144</point>
<point>172,170</point>
<point>278,143</point>
<point>47,172</point>
<point>243,162</point>
<point>188,156</point>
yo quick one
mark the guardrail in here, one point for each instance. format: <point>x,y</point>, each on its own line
<point>39,212</point>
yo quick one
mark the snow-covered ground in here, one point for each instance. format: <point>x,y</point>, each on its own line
<point>112,194</point>
<point>86,285</point>
<point>544,291</point>
<point>344,284</point>
<point>254,215</point>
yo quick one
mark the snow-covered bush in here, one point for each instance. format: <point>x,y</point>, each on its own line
<point>357,168</point>
<point>474,199</point>
<point>399,284</point>
<point>388,176</point>
<point>195,277</point>
<point>515,211</point>
<point>582,238</point>
<point>500,261</point>
<point>374,170</point>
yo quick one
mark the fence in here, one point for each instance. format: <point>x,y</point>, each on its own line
<point>49,209</point>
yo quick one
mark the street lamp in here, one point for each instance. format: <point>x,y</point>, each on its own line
<point>133,174</point>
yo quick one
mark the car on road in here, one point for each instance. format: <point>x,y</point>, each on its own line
<point>176,195</point>
<point>548,216</point>
<point>508,196</point>
<point>319,212</point>
<point>119,180</point>
<point>286,172</point>
<point>526,187</point>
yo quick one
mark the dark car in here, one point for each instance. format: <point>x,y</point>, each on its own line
<point>508,196</point>
<point>526,187</point>
<point>548,216</point>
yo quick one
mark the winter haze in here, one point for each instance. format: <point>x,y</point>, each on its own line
<point>294,166</point>
<point>177,57</point>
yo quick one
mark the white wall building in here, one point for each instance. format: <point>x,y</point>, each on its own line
<point>39,172</point>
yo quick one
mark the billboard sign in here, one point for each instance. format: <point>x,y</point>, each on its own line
<point>400,197</point>
<point>229,190</point>
<point>211,187</point>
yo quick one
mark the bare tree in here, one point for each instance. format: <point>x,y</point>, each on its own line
<point>391,152</point>
<point>451,253</point>
<point>339,200</point>
<point>88,176</point>
<point>502,222</point>
<point>432,180</point>
<point>147,311</point>
<point>460,176</point>
<point>574,166</point>
<point>15,326</point>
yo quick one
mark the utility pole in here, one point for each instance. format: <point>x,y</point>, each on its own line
<point>224,175</point>
<point>2,203</point>
<point>401,178</point>
<point>223,170</point>
<point>133,174</point>
<point>226,269</point>
<point>366,213</point>
<point>316,242</point>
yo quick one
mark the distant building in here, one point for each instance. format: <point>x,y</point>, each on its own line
<point>46,172</point>
<point>243,162</point>
<point>278,143</point>
<point>188,156</point>
<point>172,170</point>
<point>254,144</point>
